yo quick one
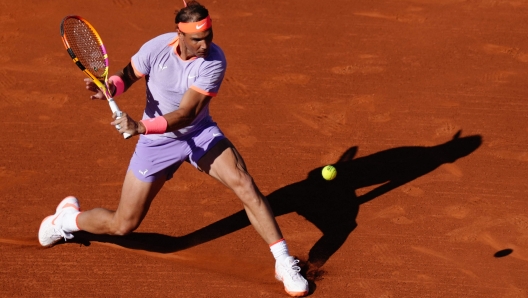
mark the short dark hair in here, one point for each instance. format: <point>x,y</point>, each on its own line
<point>193,12</point>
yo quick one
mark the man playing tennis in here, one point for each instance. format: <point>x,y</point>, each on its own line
<point>183,72</point>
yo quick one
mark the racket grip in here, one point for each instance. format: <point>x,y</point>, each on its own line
<point>115,109</point>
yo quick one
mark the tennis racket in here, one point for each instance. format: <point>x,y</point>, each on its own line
<point>85,47</point>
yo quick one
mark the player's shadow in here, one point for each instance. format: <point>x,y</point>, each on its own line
<point>332,206</point>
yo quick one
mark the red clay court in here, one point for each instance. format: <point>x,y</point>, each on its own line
<point>420,105</point>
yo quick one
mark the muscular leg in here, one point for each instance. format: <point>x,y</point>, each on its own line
<point>224,163</point>
<point>136,197</point>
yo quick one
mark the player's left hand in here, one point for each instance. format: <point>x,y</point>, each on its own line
<point>91,86</point>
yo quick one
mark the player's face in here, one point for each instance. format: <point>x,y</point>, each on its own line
<point>198,44</point>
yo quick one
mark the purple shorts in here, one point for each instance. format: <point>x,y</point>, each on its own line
<point>162,157</point>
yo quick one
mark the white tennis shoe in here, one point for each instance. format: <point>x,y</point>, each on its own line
<point>289,273</point>
<point>50,231</point>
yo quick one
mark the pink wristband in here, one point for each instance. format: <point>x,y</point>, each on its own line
<point>119,84</point>
<point>156,125</point>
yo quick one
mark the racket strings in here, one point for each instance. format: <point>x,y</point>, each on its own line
<point>86,46</point>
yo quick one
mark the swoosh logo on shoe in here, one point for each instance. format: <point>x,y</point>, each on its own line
<point>70,205</point>
<point>67,205</point>
<point>53,221</point>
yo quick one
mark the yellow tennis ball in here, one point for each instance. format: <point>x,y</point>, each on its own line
<point>329,172</point>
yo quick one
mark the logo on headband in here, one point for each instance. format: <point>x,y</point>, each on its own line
<point>195,27</point>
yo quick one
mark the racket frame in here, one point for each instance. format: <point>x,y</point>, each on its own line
<point>103,86</point>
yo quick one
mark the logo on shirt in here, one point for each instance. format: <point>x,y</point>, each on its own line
<point>191,77</point>
<point>162,67</point>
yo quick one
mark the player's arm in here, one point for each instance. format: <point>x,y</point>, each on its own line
<point>191,105</point>
<point>127,76</point>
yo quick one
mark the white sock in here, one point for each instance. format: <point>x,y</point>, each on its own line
<point>69,222</point>
<point>280,250</point>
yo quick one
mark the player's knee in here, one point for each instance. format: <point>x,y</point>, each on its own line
<point>241,182</point>
<point>124,227</point>
<point>246,190</point>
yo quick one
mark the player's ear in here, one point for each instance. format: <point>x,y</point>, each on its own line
<point>180,34</point>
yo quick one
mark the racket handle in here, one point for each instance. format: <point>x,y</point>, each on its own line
<point>125,135</point>
<point>115,109</point>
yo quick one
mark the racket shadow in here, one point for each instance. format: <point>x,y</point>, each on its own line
<point>332,206</point>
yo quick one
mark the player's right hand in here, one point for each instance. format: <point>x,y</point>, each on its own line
<point>126,124</point>
<point>91,86</point>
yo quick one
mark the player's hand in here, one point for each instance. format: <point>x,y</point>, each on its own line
<point>91,86</point>
<point>126,124</point>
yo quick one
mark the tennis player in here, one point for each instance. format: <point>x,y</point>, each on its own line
<point>183,72</point>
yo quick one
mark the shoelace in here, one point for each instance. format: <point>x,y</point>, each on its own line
<point>63,234</point>
<point>294,273</point>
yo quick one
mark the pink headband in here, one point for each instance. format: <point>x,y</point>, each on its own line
<point>196,26</point>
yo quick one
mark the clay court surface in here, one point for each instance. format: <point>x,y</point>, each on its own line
<point>421,105</point>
